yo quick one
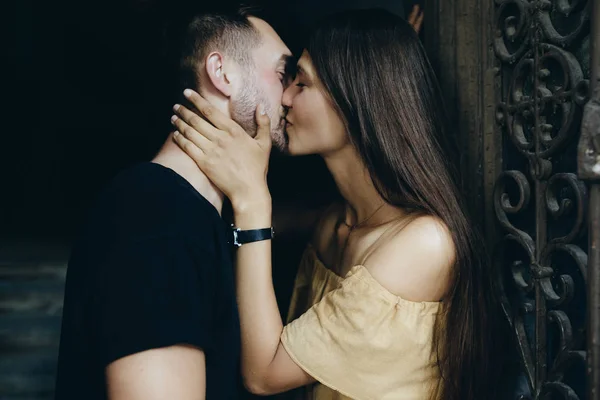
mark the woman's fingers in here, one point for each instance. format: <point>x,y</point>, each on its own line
<point>212,114</point>
<point>236,164</point>
<point>190,149</point>
<point>419,22</point>
<point>412,17</point>
<point>263,131</point>
<point>416,18</point>
<point>198,123</point>
<point>191,135</point>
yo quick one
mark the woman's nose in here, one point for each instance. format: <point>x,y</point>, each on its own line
<point>288,95</point>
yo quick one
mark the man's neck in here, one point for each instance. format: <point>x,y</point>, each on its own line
<point>171,156</point>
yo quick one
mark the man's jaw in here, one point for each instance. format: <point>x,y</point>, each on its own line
<point>279,137</point>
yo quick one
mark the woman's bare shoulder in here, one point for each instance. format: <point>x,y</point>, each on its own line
<point>416,262</point>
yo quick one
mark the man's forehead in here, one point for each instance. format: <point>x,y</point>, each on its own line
<point>271,38</point>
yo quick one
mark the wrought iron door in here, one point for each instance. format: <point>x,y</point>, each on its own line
<point>545,206</point>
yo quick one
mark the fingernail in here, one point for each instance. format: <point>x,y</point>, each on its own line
<point>176,107</point>
<point>262,110</point>
<point>187,92</point>
<point>174,118</point>
<point>175,134</point>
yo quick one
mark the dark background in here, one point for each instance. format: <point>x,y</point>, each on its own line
<point>86,92</point>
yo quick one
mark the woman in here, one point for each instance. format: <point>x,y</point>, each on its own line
<point>393,299</point>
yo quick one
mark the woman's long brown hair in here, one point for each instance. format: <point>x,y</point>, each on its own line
<point>376,72</point>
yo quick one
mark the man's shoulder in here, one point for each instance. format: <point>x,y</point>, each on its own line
<point>148,199</point>
<point>148,178</point>
<point>153,185</point>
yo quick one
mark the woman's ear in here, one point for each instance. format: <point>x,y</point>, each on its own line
<point>215,69</point>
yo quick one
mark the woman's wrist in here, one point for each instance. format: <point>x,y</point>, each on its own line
<point>253,211</point>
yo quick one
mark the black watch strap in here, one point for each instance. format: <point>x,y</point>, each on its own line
<point>241,237</point>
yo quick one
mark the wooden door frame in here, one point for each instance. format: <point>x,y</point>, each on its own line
<point>459,37</point>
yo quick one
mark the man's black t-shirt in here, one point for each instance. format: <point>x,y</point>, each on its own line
<point>152,269</point>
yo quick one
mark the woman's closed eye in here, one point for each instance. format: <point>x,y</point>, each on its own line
<point>285,79</point>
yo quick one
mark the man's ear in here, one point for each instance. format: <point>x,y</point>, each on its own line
<point>218,74</point>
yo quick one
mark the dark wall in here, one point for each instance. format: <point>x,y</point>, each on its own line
<point>86,94</point>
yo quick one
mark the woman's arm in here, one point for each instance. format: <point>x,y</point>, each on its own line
<point>266,366</point>
<point>237,164</point>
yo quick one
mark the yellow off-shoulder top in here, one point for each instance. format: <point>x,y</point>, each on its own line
<point>357,339</point>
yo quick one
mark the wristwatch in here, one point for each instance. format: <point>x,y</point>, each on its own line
<point>241,237</point>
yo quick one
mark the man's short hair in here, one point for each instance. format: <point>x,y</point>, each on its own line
<point>228,32</point>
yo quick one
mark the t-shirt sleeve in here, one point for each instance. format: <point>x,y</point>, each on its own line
<point>154,293</point>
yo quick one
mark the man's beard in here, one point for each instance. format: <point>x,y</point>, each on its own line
<point>243,111</point>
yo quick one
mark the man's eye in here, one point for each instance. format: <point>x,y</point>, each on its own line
<point>282,76</point>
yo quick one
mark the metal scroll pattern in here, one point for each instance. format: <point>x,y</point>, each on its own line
<point>543,51</point>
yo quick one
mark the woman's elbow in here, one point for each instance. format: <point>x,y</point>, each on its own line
<point>257,386</point>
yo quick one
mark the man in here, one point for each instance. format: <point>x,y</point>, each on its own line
<point>150,309</point>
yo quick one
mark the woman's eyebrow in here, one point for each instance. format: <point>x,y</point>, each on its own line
<point>302,71</point>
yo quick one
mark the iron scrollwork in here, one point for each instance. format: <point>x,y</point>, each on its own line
<point>542,47</point>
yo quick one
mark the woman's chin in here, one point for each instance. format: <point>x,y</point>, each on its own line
<point>290,150</point>
<point>293,147</point>
<point>295,151</point>
<point>288,142</point>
